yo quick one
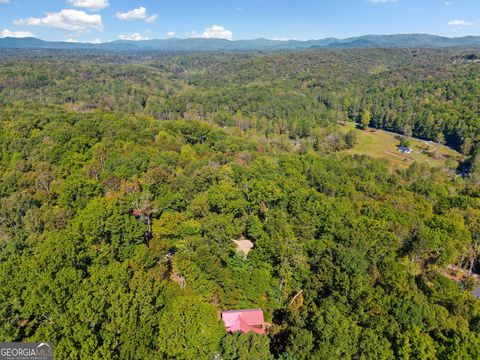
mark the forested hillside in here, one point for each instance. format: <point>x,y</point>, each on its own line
<point>124,180</point>
<point>431,94</point>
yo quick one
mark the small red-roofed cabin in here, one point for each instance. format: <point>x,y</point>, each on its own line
<point>244,321</point>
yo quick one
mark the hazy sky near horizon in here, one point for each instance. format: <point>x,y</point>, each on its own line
<point>107,20</point>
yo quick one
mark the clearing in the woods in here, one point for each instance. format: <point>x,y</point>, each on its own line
<point>384,145</point>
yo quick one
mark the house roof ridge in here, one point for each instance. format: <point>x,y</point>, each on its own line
<point>244,310</point>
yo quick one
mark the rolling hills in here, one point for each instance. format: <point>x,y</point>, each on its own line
<point>199,44</point>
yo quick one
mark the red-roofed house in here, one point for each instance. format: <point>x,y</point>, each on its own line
<point>244,321</point>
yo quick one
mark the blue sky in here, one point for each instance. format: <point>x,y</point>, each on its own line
<point>107,20</point>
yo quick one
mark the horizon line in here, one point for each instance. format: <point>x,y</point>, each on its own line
<point>234,40</point>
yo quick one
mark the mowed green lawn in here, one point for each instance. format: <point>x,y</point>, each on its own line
<point>384,145</point>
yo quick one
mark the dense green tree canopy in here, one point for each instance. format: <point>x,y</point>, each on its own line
<point>124,180</point>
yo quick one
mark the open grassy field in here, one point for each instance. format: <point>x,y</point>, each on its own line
<point>383,144</point>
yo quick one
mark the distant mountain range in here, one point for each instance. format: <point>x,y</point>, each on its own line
<point>196,44</point>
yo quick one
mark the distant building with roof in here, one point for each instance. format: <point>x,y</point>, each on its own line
<point>244,246</point>
<point>405,150</point>
<point>476,293</point>
<point>244,321</point>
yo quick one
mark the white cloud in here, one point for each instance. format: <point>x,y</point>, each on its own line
<point>152,18</point>
<point>171,34</point>
<point>71,40</point>
<point>96,41</point>
<point>215,32</point>
<point>93,5</point>
<point>132,37</point>
<point>381,1</point>
<point>137,14</point>
<point>15,34</point>
<point>4,1</point>
<point>67,19</point>
<point>459,23</point>
<point>71,36</point>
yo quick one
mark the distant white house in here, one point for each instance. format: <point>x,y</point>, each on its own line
<point>405,150</point>
<point>476,293</point>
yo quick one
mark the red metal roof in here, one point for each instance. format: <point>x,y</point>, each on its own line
<point>244,321</point>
